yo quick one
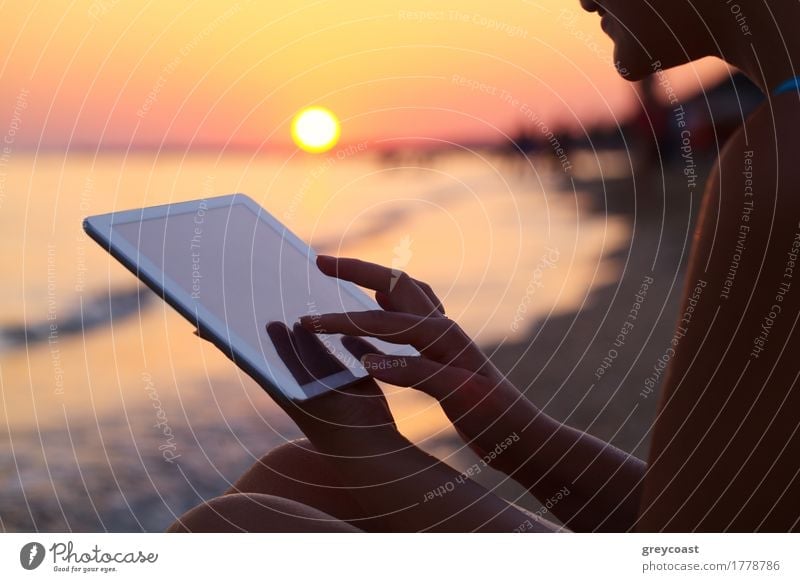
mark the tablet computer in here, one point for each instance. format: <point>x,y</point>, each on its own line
<point>229,267</point>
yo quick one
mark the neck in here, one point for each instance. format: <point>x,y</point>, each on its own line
<point>771,54</point>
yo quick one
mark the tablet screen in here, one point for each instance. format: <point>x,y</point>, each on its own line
<point>240,272</point>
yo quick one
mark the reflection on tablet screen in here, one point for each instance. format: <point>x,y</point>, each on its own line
<point>244,273</point>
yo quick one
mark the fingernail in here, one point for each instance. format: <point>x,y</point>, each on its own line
<point>312,323</point>
<point>370,360</point>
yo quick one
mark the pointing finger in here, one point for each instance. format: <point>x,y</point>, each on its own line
<point>402,292</point>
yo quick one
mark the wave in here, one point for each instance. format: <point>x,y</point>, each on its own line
<point>96,310</point>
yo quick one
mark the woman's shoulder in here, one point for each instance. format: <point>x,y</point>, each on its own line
<point>767,145</point>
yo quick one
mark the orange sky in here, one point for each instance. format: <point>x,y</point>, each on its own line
<point>125,73</point>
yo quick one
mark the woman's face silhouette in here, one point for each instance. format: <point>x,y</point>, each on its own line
<point>652,34</point>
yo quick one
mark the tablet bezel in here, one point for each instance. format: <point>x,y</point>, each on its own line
<point>253,362</point>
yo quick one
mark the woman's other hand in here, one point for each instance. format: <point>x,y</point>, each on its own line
<point>356,412</point>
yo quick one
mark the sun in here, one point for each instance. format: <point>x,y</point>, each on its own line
<point>315,129</point>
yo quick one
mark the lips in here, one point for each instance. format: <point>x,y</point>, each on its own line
<point>591,6</point>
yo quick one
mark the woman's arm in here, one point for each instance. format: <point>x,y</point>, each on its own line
<point>411,491</point>
<point>600,484</point>
<point>509,431</point>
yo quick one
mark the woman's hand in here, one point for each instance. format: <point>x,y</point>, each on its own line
<point>484,407</point>
<point>395,480</point>
<point>341,417</point>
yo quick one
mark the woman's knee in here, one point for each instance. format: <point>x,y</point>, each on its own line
<point>292,464</point>
<point>249,512</point>
<point>288,457</point>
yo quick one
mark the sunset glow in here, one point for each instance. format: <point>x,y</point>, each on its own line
<point>150,75</point>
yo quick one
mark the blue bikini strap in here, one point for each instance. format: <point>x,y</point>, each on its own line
<point>792,84</point>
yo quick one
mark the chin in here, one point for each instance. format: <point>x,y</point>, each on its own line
<point>635,65</point>
<point>632,69</point>
<point>634,62</point>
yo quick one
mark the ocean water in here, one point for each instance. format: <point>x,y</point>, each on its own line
<point>115,417</point>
